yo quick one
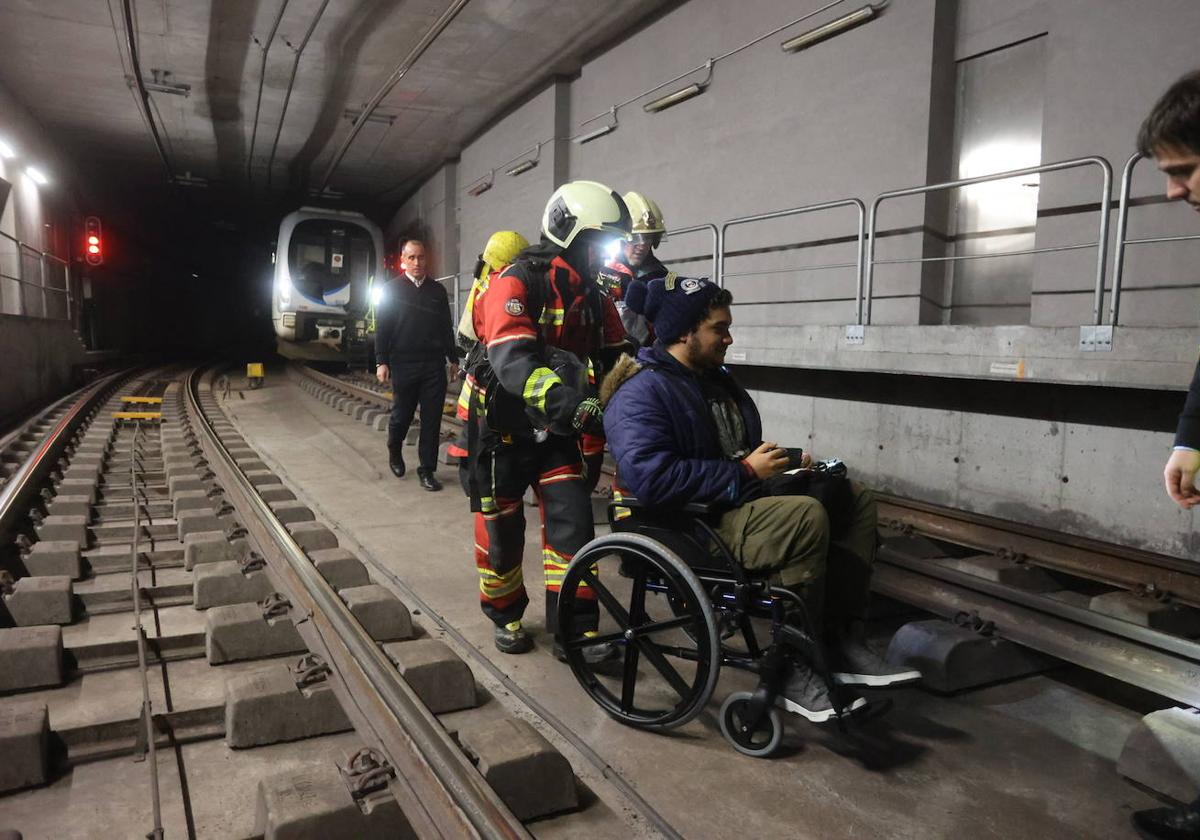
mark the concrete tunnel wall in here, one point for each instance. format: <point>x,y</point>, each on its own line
<point>868,111</point>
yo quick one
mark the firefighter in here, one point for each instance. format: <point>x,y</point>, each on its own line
<point>502,248</point>
<point>628,274</point>
<point>549,333</point>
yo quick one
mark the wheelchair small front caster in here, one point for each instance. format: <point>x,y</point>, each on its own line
<point>758,742</point>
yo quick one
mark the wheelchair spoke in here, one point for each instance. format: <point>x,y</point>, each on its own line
<point>629,678</point>
<point>664,667</point>
<point>606,598</point>
<point>660,626</point>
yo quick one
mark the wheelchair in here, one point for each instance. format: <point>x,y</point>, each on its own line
<point>687,612</point>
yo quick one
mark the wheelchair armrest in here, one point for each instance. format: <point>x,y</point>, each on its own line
<point>691,508</point>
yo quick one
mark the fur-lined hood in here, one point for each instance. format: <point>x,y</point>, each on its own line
<point>624,370</point>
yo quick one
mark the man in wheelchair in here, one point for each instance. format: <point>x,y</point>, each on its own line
<point>683,432</point>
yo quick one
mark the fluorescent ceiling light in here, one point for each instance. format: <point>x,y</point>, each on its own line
<point>523,166</point>
<point>7,151</point>
<point>594,133</point>
<point>828,30</point>
<point>37,176</point>
<point>681,95</point>
<point>483,185</point>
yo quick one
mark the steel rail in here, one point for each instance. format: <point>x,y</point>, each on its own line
<point>140,631</point>
<point>440,792</point>
<point>1093,649</point>
<point>1077,556</point>
<point>14,495</point>
<point>1177,645</point>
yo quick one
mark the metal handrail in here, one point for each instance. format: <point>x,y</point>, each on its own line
<point>1101,244</point>
<point>1114,306</point>
<point>811,208</point>
<point>716,235</point>
<point>24,249</point>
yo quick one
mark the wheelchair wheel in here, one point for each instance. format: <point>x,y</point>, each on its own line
<point>658,618</point>
<point>757,742</point>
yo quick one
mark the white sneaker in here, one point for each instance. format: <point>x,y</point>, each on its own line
<point>807,695</point>
<point>856,664</point>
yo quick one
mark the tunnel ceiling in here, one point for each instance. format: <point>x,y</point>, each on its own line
<point>67,61</point>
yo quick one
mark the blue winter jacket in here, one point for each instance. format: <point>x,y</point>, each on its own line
<point>664,439</point>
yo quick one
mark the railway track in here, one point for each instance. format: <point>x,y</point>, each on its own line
<point>193,649</point>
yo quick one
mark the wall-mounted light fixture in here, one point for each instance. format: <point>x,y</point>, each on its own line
<point>483,184</point>
<point>527,164</point>
<point>828,30</point>
<point>588,137</point>
<point>681,95</point>
<point>7,151</point>
<point>37,176</point>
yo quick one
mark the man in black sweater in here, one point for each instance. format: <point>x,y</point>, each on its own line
<point>1171,136</point>
<point>414,339</point>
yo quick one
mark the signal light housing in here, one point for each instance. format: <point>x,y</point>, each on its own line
<point>93,250</point>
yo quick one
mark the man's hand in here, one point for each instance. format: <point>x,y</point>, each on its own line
<point>453,371</point>
<point>588,417</point>
<point>1180,477</point>
<point>767,460</point>
<point>382,374</point>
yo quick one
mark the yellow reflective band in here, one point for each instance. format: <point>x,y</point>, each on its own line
<point>494,585</point>
<point>552,316</point>
<point>536,386</point>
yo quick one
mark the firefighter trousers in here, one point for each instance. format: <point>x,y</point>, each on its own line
<point>554,469</point>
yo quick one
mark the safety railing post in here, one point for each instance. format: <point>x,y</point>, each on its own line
<point>1102,240</point>
<point>42,271</point>
<point>1114,303</point>
<point>715,276</point>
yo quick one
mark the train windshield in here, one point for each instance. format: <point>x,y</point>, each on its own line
<point>326,255</point>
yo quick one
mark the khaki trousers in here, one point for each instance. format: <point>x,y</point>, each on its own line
<point>790,535</point>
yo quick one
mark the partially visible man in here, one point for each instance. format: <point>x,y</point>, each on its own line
<point>682,430</point>
<point>628,273</point>
<point>414,341</point>
<point>1171,135</point>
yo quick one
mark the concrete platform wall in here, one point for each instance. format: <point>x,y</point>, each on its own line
<point>36,357</point>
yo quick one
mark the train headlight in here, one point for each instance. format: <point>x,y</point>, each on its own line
<point>285,289</point>
<point>376,295</point>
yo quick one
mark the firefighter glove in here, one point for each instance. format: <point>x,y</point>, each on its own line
<point>589,417</point>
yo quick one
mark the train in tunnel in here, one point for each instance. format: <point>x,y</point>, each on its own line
<point>326,263</point>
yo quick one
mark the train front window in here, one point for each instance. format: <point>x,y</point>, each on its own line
<point>325,255</point>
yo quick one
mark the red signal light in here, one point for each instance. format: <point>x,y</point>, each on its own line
<point>94,252</point>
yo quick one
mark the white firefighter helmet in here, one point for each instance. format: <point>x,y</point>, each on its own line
<point>584,205</point>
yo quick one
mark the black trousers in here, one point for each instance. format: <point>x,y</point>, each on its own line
<point>418,383</point>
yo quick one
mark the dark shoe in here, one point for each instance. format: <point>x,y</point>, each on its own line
<point>428,480</point>
<point>512,638</point>
<point>593,655</point>
<point>396,462</point>
<point>806,694</point>
<point>1169,823</point>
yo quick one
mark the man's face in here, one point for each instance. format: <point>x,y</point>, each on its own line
<point>412,260</point>
<point>706,345</point>
<point>1182,168</point>
<point>640,248</point>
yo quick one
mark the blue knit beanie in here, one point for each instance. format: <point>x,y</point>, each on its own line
<point>675,305</point>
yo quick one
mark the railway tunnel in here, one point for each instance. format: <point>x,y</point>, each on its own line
<point>948,266</point>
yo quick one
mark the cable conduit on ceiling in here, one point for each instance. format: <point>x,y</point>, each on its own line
<point>131,45</point>
<point>396,75</point>
<point>262,78</point>
<point>287,97</point>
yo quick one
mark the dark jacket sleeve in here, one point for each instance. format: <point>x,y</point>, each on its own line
<point>1188,432</point>
<point>651,462</point>
<point>385,325</point>
<point>451,343</point>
